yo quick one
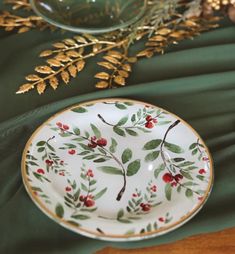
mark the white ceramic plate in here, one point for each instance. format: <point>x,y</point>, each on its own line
<point>117,169</point>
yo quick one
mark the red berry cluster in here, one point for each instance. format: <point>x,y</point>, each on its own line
<point>72,151</point>
<point>145,207</point>
<point>87,200</point>
<point>202,171</point>
<point>153,188</point>
<point>90,173</point>
<point>97,142</point>
<point>150,122</point>
<point>63,127</point>
<point>169,178</point>
<point>49,162</point>
<point>40,171</point>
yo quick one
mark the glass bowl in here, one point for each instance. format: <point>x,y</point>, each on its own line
<point>89,16</point>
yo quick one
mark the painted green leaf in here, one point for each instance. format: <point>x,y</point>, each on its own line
<point>126,155</point>
<point>83,186</point>
<point>96,131</point>
<point>133,168</point>
<point>59,210</point>
<point>188,193</point>
<point>101,150</point>
<point>76,131</point>
<point>155,226</point>
<point>70,145</point>
<point>99,160</point>
<point>41,149</point>
<point>194,151</point>
<point>149,228</point>
<point>65,134</point>
<point>153,144</point>
<point>186,175</point>
<point>120,214</point>
<point>41,143</point>
<point>133,118</point>
<point>80,217</point>
<point>110,170</point>
<point>168,191</point>
<point>122,121</point>
<point>131,132</point>
<point>89,210</point>
<point>178,159</point>
<point>90,157</point>
<point>179,189</point>
<point>192,146</point>
<point>158,170</point>
<point>84,153</point>
<point>32,163</point>
<point>200,177</point>
<point>113,146</point>
<point>188,184</point>
<point>79,110</point>
<point>119,131</point>
<point>100,194</point>
<point>76,195</point>
<point>185,164</point>
<point>173,148</point>
<point>152,156</point>
<point>163,122</point>
<point>85,147</point>
<point>120,106</point>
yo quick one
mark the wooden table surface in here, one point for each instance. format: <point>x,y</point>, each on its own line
<point>222,242</point>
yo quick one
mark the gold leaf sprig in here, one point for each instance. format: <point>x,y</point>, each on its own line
<point>19,4</point>
<point>175,31</point>
<point>65,61</point>
<point>118,67</point>
<point>21,24</point>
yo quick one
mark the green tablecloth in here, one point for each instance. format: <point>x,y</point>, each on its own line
<point>195,80</point>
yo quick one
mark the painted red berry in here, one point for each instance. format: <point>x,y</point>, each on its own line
<point>41,171</point>
<point>178,177</point>
<point>161,219</point>
<point>102,142</point>
<point>49,162</point>
<point>146,207</point>
<point>134,195</point>
<point>61,162</point>
<point>167,178</point>
<point>81,198</point>
<point>205,158</point>
<point>93,138</point>
<point>61,173</point>
<point>155,120</point>
<point>90,173</point>
<point>174,184</point>
<point>142,204</point>
<point>202,171</point>
<point>72,151</point>
<point>68,188</point>
<point>200,198</point>
<point>65,127</point>
<point>92,145</point>
<point>35,193</point>
<point>148,118</point>
<point>59,124</point>
<point>149,125</point>
<point>154,188</point>
<point>90,196</point>
<point>89,203</point>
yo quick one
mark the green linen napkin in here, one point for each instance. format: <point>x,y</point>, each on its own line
<point>195,80</point>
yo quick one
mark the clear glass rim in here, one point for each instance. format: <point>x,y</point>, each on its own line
<point>89,30</point>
